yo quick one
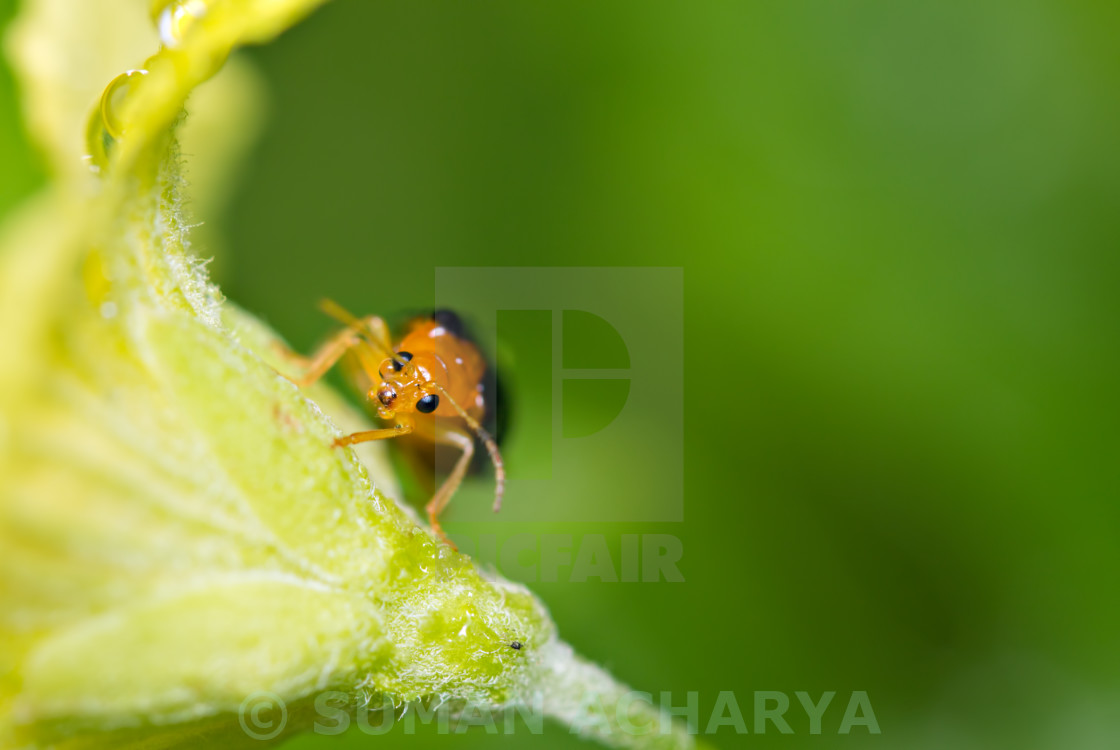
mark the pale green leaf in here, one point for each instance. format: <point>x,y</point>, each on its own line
<point>177,531</point>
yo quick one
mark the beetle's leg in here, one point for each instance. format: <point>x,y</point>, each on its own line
<point>403,427</point>
<point>465,442</point>
<point>315,366</point>
<point>375,328</point>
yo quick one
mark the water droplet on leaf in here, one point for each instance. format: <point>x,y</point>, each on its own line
<point>113,100</point>
<point>173,20</point>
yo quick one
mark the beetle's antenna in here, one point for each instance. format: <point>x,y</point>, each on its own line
<point>339,313</point>
<point>484,436</point>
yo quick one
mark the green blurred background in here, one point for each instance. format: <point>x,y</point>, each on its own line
<point>899,227</point>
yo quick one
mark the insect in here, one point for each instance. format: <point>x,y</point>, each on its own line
<point>429,386</point>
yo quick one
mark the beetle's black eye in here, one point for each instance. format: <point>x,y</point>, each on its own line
<point>427,404</point>
<point>398,360</point>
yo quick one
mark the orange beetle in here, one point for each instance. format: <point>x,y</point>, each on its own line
<point>429,385</point>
